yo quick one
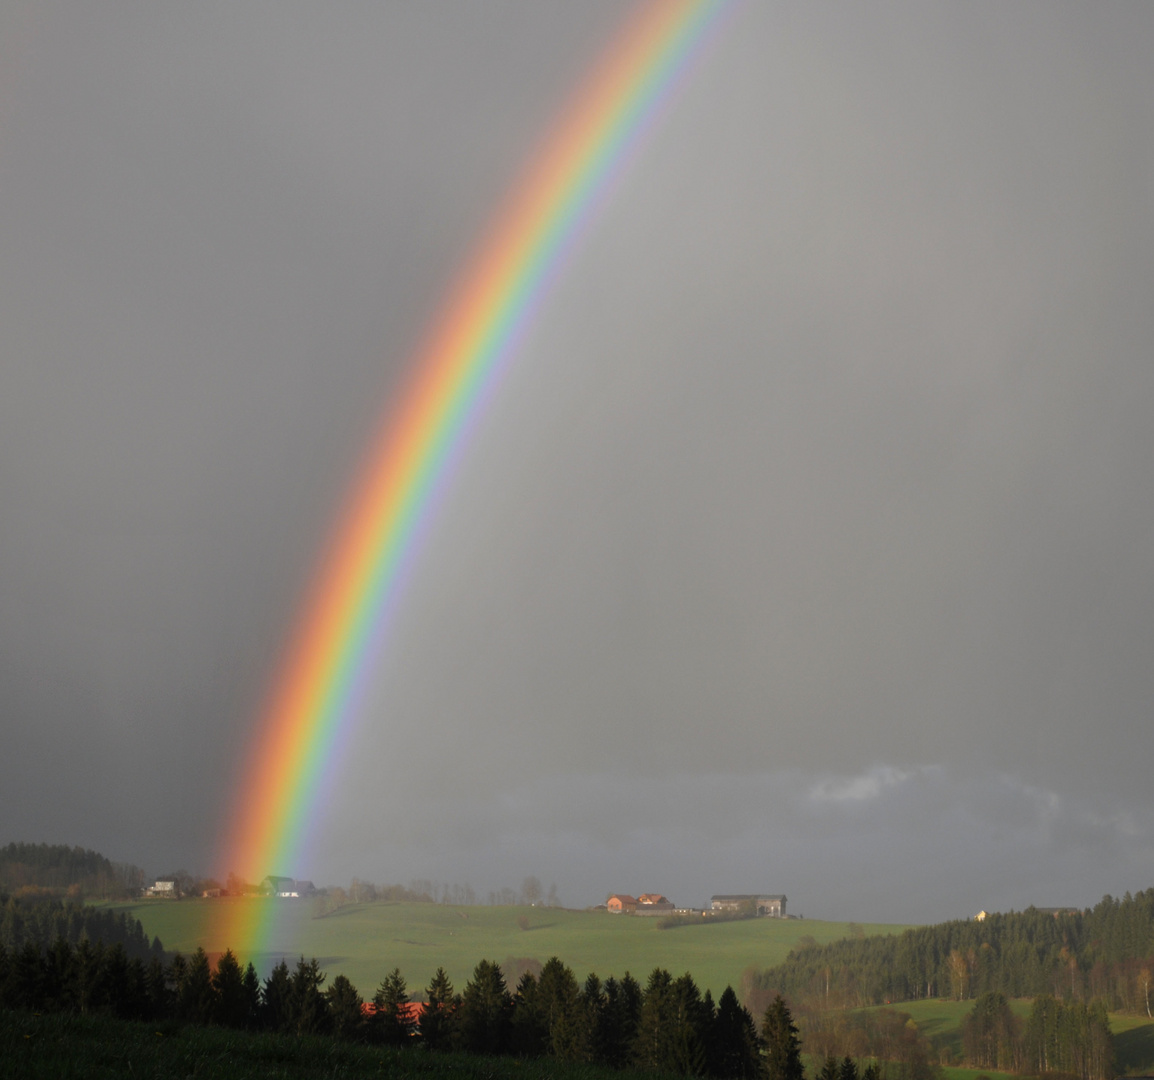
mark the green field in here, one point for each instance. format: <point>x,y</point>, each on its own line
<point>941,1022</point>
<point>365,942</point>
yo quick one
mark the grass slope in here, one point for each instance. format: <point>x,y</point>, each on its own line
<point>941,1022</point>
<point>1133,1043</point>
<point>365,942</point>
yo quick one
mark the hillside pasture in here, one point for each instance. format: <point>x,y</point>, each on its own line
<point>366,941</point>
<point>1133,1043</point>
<point>941,1020</point>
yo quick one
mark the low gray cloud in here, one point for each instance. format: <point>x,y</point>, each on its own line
<point>887,845</point>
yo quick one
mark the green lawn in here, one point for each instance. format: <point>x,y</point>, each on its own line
<point>365,942</point>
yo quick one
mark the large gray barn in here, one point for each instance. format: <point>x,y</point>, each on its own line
<point>770,906</point>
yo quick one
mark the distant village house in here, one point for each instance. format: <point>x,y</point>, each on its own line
<point>653,904</point>
<point>286,888</point>
<point>645,904</point>
<point>164,889</point>
<point>772,907</point>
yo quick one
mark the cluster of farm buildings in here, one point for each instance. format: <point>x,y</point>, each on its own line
<point>762,904</point>
<point>770,906</point>
<point>284,887</point>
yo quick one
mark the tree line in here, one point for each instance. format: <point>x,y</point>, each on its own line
<point>422,890</point>
<point>41,922</point>
<point>1104,952</point>
<point>57,869</point>
<point>1057,1037</point>
<point>667,1025</point>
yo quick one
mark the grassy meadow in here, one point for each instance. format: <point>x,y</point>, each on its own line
<point>365,942</point>
<point>941,1022</point>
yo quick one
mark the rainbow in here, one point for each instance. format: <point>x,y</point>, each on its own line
<point>471,342</point>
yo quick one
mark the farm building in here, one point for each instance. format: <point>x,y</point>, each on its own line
<point>621,902</point>
<point>286,887</point>
<point>772,907</point>
<point>653,904</point>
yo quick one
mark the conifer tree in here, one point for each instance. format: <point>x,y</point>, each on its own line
<point>156,989</point>
<point>692,1022</point>
<point>734,1044</point>
<point>782,1046</point>
<point>59,976</point>
<point>89,977</point>
<point>592,1005</point>
<point>655,1023</point>
<point>529,1032</point>
<point>485,1012</point>
<point>348,1020</point>
<point>438,1016</point>
<point>276,1008</point>
<point>557,1008</point>
<point>231,1005</point>
<point>308,1009</point>
<point>391,1021</point>
<point>250,984</point>
<point>197,1001</point>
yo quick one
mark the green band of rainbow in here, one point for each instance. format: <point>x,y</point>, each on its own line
<point>471,341</point>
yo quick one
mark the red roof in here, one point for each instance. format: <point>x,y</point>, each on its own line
<point>410,1011</point>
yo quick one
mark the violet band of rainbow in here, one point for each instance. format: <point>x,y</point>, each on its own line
<point>471,342</point>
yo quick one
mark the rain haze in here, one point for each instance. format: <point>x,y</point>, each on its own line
<point>806,546</point>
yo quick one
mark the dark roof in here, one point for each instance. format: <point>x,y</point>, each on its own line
<point>747,896</point>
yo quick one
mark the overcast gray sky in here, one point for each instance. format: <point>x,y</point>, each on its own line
<point>808,546</point>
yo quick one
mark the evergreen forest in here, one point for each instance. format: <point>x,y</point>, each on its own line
<point>1105,952</point>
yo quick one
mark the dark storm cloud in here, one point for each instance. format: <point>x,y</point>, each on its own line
<point>805,544</point>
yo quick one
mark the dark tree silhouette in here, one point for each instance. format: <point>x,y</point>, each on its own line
<point>734,1045</point>
<point>308,1009</point>
<point>348,1020</point>
<point>486,1011</point>
<point>782,1046</point>
<point>439,1013</point>
<point>391,1021</point>
<point>276,1008</point>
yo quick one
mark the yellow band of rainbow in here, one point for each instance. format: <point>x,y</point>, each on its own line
<point>471,340</point>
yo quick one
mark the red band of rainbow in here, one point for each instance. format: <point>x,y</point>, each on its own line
<point>471,341</point>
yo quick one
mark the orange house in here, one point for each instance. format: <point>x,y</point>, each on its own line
<point>620,902</point>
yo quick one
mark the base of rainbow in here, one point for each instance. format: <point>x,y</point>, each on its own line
<point>347,612</point>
